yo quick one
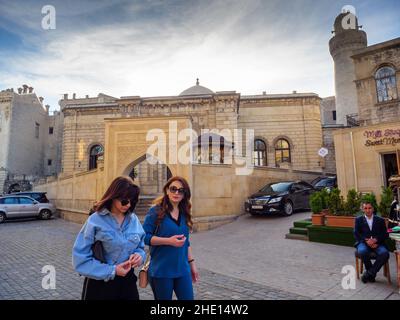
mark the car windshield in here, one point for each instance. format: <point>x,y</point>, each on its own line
<point>276,187</point>
<point>325,183</point>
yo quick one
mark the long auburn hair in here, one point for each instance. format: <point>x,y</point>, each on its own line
<point>120,188</point>
<point>165,205</point>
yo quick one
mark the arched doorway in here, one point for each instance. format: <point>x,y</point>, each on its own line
<point>149,173</point>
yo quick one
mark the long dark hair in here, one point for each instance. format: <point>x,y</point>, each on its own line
<point>165,205</point>
<point>120,188</point>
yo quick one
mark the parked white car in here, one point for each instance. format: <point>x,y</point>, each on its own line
<point>21,206</point>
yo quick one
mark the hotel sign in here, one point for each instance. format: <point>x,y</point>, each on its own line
<point>387,137</point>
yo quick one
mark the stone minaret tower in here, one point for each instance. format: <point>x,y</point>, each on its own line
<point>341,47</point>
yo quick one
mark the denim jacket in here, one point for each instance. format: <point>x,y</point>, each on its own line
<point>119,242</point>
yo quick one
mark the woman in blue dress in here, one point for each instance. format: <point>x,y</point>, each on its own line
<point>167,226</point>
<point>121,235</point>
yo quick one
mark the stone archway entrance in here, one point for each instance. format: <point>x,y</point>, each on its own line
<point>150,177</point>
<point>126,148</point>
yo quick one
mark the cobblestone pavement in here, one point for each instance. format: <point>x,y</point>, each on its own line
<point>27,246</point>
<point>247,259</point>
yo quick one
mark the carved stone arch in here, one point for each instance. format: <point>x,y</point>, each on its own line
<point>382,65</point>
<point>92,159</point>
<point>265,140</point>
<point>91,145</point>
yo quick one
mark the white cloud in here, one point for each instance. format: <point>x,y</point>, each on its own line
<point>237,47</point>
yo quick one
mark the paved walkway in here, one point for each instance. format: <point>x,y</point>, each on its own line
<point>255,249</point>
<point>247,259</point>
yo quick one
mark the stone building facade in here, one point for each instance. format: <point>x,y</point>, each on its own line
<point>377,78</point>
<point>25,139</point>
<point>294,118</point>
<point>369,155</point>
<point>104,136</point>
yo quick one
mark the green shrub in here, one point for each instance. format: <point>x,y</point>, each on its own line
<point>316,202</point>
<point>353,203</point>
<point>386,202</point>
<point>335,202</point>
<point>324,197</point>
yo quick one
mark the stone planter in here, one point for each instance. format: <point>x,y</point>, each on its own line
<point>340,221</point>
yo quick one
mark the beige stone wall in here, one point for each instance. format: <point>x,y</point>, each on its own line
<point>329,162</point>
<point>219,193</point>
<point>84,123</point>
<point>74,195</point>
<point>54,145</point>
<point>297,119</point>
<point>5,121</point>
<point>359,166</point>
<point>366,63</point>
<point>328,106</point>
<point>82,130</point>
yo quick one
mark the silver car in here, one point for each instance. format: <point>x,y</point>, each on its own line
<point>23,206</point>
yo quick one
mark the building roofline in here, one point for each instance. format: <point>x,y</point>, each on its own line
<point>376,47</point>
<point>280,96</point>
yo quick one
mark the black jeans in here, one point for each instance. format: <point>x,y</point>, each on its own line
<point>121,288</point>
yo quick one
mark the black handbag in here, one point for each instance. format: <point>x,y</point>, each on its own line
<point>98,251</point>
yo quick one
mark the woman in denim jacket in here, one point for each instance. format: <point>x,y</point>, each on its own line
<point>116,226</point>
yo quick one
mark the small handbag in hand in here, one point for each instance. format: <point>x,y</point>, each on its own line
<point>143,273</point>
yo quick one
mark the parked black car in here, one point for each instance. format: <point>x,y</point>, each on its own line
<point>38,196</point>
<point>325,182</point>
<point>280,197</point>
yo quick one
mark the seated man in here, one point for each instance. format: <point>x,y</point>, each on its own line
<point>370,233</point>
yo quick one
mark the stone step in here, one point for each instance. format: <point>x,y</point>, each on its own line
<point>296,237</point>
<point>302,223</point>
<point>144,205</point>
<point>298,231</point>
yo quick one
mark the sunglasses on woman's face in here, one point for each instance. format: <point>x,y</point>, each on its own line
<point>174,189</point>
<point>124,202</point>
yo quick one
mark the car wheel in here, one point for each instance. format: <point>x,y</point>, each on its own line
<point>45,214</point>
<point>2,217</point>
<point>288,208</point>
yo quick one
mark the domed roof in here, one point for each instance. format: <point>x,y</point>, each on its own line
<point>196,90</point>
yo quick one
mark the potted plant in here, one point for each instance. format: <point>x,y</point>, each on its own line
<point>385,203</point>
<point>316,205</point>
<point>342,214</point>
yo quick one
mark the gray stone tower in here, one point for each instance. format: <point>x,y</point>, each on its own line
<point>347,38</point>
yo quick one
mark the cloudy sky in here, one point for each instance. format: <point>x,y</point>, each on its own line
<point>159,47</point>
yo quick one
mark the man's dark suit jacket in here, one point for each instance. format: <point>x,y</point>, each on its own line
<point>362,231</point>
